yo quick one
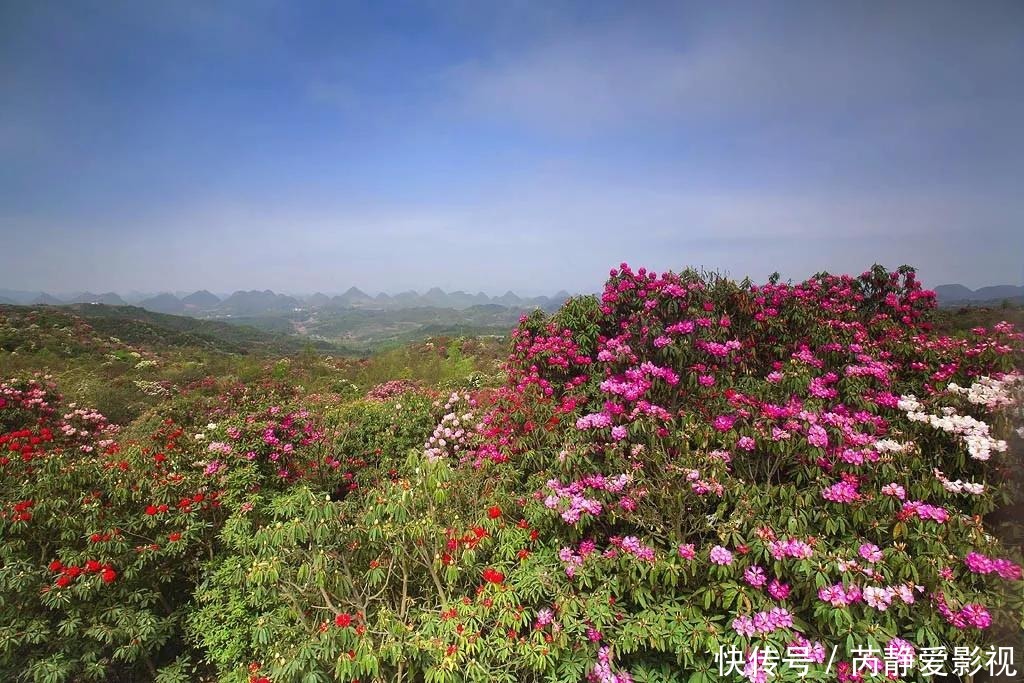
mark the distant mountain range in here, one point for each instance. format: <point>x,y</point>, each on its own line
<point>204,303</point>
<point>257,303</point>
<point>16,297</point>
<point>956,294</point>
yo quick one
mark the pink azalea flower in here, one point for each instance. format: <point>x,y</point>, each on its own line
<point>720,556</point>
<point>870,552</point>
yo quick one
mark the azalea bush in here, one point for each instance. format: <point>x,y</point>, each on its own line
<point>94,571</point>
<point>680,477</point>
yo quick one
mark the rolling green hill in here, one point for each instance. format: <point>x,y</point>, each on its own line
<point>137,325</point>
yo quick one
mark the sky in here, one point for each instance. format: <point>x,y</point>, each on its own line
<point>304,146</point>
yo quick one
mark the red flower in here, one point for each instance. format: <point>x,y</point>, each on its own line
<point>108,575</point>
<point>92,566</point>
<point>493,576</point>
<point>63,581</point>
<point>494,512</point>
<point>56,566</point>
<point>96,538</point>
<point>150,509</point>
<point>174,536</point>
<point>343,620</point>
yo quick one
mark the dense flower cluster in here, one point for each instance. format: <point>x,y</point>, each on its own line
<point>392,389</point>
<point>67,574</point>
<point>763,623</point>
<point>925,511</point>
<point>973,432</point>
<point>971,615</point>
<point>572,501</point>
<point>603,671</point>
<point>835,409</point>
<point>980,564</point>
<point>791,547</point>
<point>574,559</point>
<point>959,486</point>
<point>274,438</point>
<point>454,434</point>
<point>994,394</point>
<point>35,396</point>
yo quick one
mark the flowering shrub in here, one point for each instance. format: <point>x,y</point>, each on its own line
<point>681,467</point>
<point>97,569</point>
<point>391,389</point>
<point>454,434</point>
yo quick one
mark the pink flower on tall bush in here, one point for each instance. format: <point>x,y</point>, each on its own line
<point>720,555</point>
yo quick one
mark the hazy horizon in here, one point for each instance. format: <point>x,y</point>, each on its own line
<point>479,146</point>
<point>295,293</point>
<point>525,293</point>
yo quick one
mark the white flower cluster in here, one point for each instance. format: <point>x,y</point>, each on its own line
<point>991,392</point>
<point>959,486</point>
<point>891,446</point>
<point>452,432</point>
<point>151,388</point>
<point>974,433</point>
<point>909,403</point>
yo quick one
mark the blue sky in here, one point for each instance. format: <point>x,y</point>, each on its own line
<point>306,146</point>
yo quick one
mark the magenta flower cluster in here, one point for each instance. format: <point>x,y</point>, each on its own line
<point>845,491</point>
<point>981,564</point>
<point>791,547</point>
<point>878,597</point>
<point>755,576</point>
<point>632,545</point>
<point>574,560</point>
<point>971,615</point>
<point>572,502</point>
<point>687,551</point>
<point>922,510</point>
<point>870,552</point>
<point>763,623</point>
<point>603,672</point>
